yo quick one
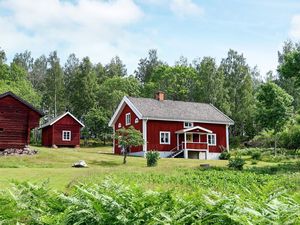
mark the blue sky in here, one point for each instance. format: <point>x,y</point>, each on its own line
<point>129,28</point>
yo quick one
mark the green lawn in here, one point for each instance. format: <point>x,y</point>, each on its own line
<point>54,166</point>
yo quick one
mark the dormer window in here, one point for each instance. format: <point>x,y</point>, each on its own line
<point>128,119</point>
<point>188,124</point>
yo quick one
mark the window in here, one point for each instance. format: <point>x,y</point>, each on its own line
<point>1,130</point>
<point>136,120</point>
<point>66,135</point>
<point>188,124</point>
<point>189,137</point>
<point>127,119</point>
<point>212,139</point>
<point>119,125</point>
<point>165,138</point>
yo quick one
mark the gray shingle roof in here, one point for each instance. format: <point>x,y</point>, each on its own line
<point>179,110</point>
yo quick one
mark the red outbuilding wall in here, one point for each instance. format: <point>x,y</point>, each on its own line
<point>16,121</point>
<point>52,135</point>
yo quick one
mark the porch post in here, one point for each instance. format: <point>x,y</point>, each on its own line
<point>185,150</point>
<point>227,138</point>
<point>177,135</point>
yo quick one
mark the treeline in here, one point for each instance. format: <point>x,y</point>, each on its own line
<point>92,91</point>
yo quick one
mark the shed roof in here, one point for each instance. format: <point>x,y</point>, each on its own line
<point>54,120</point>
<point>9,93</point>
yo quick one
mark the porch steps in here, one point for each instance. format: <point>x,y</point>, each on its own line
<point>175,153</point>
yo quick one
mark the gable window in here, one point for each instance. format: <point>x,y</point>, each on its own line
<point>212,139</point>
<point>188,124</point>
<point>128,119</point>
<point>164,138</point>
<point>66,135</point>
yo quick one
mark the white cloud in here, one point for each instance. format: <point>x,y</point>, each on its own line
<point>185,8</point>
<point>295,27</point>
<point>98,29</point>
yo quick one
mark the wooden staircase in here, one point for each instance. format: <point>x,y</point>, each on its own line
<point>175,152</point>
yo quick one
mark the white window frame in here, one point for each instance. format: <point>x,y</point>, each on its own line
<point>127,122</point>
<point>169,137</point>
<point>189,126</point>
<point>63,135</point>
<point>215,139</point>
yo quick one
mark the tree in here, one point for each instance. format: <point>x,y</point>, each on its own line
<point>112,90</point>
<point>116,68</point>
<point>274,108</point>
<point>289,70</point>
<point>147,66</point>
<point>84,89</point>
<point>96,121</point>
<point>38,74</point>
<point>24,60</point>
<point>237,73</point>
<point>211,88</point>
<point>54,95</point>
<point>178,82</point>
<point>128,138</point>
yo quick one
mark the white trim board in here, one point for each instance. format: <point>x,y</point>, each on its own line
<point>60,117</point>
<point>121,106</point>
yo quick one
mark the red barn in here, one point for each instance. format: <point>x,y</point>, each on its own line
<point>63,131</point>
<point>174,128</point>
<point>17,118</point>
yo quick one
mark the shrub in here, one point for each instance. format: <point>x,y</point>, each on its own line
<point>236,163</point>
<point>152,158</point>
<point>224,155</point>
<point>256,155</point>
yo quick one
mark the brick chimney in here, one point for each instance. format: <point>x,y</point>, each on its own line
<point>160,96</point>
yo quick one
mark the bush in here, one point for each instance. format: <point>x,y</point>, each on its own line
<point>152,158</point>
<point>224,155</point>
<point>236,163</point>
<point>256,155</point>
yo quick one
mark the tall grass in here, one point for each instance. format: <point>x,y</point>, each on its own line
<point>115,203</point>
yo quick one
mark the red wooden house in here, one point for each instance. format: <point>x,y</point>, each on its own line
<point>174,128</point>
<point>17,118</point>
<point>63,131</point>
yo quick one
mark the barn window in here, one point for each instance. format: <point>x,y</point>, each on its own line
<point>164,138</point>
<point>128,119</point>
<point>188,124</point>
<point>66,135</point>
<point>212,139</point>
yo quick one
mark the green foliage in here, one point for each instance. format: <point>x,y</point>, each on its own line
<point>236,163</point>
<point>152,157</point>
<point>256,155</point>
<point>128,138</point>
<point>96,122</point>
<point>273,107</point>
<point>290,137</point>
<point>115,203</point>
<point>225,155</point>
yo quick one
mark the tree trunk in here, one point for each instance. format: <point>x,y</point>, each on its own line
<point>125,154</point>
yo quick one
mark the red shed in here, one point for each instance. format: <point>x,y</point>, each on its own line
<point>17,118</point>
<point>174,128</point>
<point>63,131</point>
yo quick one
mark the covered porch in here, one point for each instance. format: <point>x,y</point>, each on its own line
<point>193,142</point>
